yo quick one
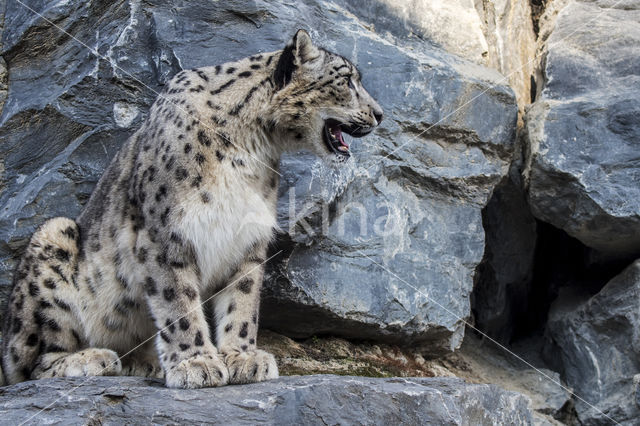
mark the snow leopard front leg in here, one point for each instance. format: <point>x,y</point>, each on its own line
<point>236,311</point>
<point>188,357</point>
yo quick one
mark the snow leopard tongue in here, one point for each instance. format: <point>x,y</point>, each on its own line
<point>337,134</point>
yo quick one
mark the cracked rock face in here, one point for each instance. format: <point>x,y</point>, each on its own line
<point>584,129</point>
<point>409,203</point>
<point>290,400</point>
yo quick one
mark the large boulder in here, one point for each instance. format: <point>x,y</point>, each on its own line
<point>497,34</point>
<point>584,129</point>
<point>596,344</point>
<point>383,247</point>
<point>289,400</point>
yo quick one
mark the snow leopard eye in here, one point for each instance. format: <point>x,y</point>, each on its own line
<point>351,85</point>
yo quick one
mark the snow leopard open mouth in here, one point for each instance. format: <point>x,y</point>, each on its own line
<point>334,139</point>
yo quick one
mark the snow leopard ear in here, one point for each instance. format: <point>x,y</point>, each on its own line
<point>305,51</point>
<point>297,52</point>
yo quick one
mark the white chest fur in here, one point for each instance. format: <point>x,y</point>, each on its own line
<point>224,229</point>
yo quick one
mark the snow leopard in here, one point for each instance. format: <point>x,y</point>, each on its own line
<point>185,210</point>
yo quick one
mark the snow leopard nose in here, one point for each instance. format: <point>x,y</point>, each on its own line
<point>375,110</point>
<point>377,114</point>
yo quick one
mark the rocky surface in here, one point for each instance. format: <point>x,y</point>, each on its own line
<point>595,343</point>
<point>291,400</point>
<point>520,369</point>
<point>511,42</point>
<point>497,34</point>
<point>584,129</point>
<point>394,258</point>
<point>476,361</point>
<point>335,355</point>
<point>582,172</point>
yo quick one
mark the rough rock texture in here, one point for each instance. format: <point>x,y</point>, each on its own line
<point>497,34</point>
<point>482,361</point>
<point>636,382</point>
<point>3,79</point>
<point>476,361</point>
<point>584,129</point>
<point>335,355</point>
<point>435,21</point>
<point>511,42</point>
<point>417,186</point>
<point>292,400</point>
<point>596,345</point>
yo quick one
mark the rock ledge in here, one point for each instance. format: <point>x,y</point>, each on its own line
<point>321,399</point>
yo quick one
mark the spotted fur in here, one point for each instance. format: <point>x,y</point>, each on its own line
<point>185,209</point>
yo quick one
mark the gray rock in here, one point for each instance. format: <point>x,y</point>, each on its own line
<point>636,383</point>
<point>422,180</point>
<point>584,130</point>
<point>483,361</point>
<point>496,34</point>
<point>597,345</point>
<point>290,400</point>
